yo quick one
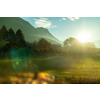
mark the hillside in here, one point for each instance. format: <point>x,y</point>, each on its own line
<point>31,33</point>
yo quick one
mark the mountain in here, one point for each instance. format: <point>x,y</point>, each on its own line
<point>31,33</point>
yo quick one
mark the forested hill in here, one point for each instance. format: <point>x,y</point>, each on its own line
<point>31,33</point>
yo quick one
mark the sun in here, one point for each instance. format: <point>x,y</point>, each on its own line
<point>83,37</point>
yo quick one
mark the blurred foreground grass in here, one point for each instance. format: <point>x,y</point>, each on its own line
<point>51,70</point>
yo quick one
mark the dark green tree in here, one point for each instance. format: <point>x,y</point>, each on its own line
<point>44,44</point>
<point>4,33</point>
<point>11,31</point>
<point>11,36</point>
<point>19,35</point>
<point>20,38</point>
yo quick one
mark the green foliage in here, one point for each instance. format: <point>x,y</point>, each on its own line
<point>73,46</point>
<point>45,48</point>
<point>3,43</point>
<point>44,44</point>
<point>8,39</point>
<point>20,38</point>
<point>19,35</point>
<point>11,32</point>
<point>4,33</point>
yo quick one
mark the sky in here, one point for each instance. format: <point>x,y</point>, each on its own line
<point>65,27</point>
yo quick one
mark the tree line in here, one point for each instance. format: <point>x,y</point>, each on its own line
<point>73,46</point>
<point>15,40</point>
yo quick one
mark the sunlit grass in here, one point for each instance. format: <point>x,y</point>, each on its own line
<point>68,69</point>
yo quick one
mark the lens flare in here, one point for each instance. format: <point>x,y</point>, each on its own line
<point>17,63</point>
<point>14,53</point>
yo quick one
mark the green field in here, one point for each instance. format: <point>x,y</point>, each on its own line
<point>65,69</point>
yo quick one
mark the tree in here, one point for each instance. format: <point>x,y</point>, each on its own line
<point>35,46</point>
<point>20,38</point>
<point>3,43</point>
<point>56,48</point>
<point>12,38</point>
<point>11,32</point>
<point>44,44</point>
<point>4,33</point>
<point>19,35</point>
<point>72,46</point>
<point>89,48</point>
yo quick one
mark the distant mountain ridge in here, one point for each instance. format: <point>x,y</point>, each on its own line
<point>31,33</point>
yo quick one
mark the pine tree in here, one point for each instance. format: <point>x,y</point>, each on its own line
<point>20,38</point>
<point>11,35</point>
<point>4,33</point>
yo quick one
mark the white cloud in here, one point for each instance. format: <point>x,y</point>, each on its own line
<point>76,18</point>
<point>63,18</point>
<point>44,22</point>
<point>54,26</point>
<point>73,18</point>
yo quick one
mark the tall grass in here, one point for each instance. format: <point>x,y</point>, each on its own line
<point>75,69</point>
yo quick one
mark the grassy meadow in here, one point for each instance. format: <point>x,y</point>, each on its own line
<point>53,70</point>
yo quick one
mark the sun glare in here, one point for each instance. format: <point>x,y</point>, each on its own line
<point>83,37</point>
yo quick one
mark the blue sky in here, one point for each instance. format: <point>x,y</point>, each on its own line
<point>65,27</point>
